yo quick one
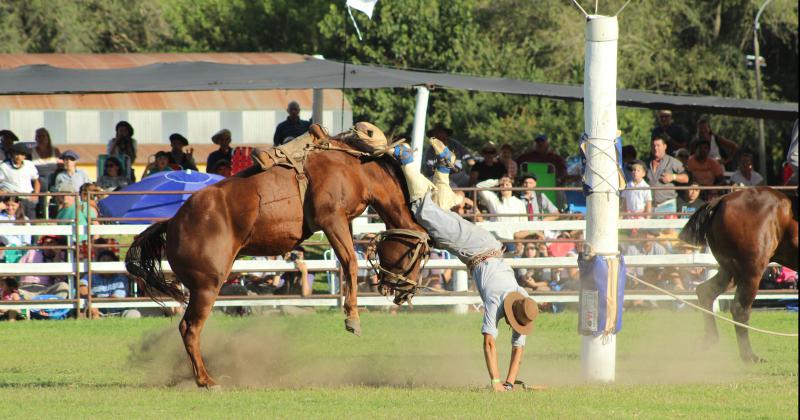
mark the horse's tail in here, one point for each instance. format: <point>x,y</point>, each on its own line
<point>144,261</point>
<point>695,230</point>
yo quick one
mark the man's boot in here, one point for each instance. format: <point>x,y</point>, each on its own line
<point>417,184</point>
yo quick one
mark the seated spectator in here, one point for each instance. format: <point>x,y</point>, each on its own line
<point>34,285</point>
<point>720,149</point>
<point>19,175</point>
<point>654,275</point>
<point>489,168</point>
<point>675,136</point>
<point>745,174</point>
<point>68,207</point>
<point>464,157</point>
<point>436,278</point>
<point>542,153</point>
<point>112,178</point>
<point>507,159</point>
<point>536,203</point>
<point>786,279</point>
<point>222,138</point>
<point>561,248</point>
<point>300,281</point>
<point>690,276</point>
<point>262,283</point>
<point>504,203</point>
<point>629,156</point>
<point>180,153</point>
<point>704,170</point>
<point>46,158</point>
<point>11,210</point>
<point>689,200</point>
<point>533,278</point>
<point>116,285</point>
<point>9,289</point>
<point>72,175</point>
<point>637,200</point>
<point>160,164</point>
<point>221,167</point>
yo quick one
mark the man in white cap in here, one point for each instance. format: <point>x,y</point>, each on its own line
<point>479,250</point>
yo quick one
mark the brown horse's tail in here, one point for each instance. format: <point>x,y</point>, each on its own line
<point>695,230</point>
<point>144,261</point>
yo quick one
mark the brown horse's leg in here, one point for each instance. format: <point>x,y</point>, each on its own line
<point>337,230</point>
<point>707,293</point>
<point>746,289</point>
<point>197,312</point>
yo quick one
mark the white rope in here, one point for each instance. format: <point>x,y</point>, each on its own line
<point>749,327</point>
<point>579,7</point>
<point>621,8</point>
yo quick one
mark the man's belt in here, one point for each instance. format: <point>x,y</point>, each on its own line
<point>480,258</point>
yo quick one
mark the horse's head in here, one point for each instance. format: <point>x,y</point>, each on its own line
<point>396,255</point>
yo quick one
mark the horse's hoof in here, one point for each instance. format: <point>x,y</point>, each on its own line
<point>708,342</point>
<point>753,358</point>
<point>353,326</point>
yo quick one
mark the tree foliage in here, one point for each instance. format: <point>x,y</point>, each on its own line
<point>688,47</point>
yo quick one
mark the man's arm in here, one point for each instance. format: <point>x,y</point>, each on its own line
<point>490,354</point>
<point>489,197</point>
<point>513,365</point>
<point>36,187</point>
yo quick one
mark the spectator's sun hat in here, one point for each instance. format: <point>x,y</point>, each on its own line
<point>520,312</point>
<point>4,134</point>
<point>541,137</point>
<point>180,138</point>
<point>215,138</point>
<point>69,154</point>
<point>489,147</point>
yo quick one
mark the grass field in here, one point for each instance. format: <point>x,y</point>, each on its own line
<point>406,365</point>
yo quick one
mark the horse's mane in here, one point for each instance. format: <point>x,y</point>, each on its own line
<point>386,162</point>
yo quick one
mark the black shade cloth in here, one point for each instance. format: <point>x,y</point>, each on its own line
<point>326,74</point>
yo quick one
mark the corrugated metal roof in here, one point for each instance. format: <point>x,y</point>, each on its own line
<point>214,100</point>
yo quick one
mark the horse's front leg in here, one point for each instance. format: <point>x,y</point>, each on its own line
<point>341,239</point>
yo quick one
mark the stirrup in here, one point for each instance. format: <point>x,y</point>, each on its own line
<point>403,153</point>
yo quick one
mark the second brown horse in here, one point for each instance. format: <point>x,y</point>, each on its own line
<point>263,215</point>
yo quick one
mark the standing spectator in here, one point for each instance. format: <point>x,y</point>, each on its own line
<point>9,291</point>
<point>507,158</point>
<point>161,164</point>
<point>542,153</point>
<point>46,158</point>
<point>704,170</point>
<point>72,175</point>
<point>19,175</point>
<point>123,143</point>
<point>664,171</point>
<point>222,138</point>
<point>638,201</point>
<point>489,168</point>
<point>746,175</point>
<point>505,203</point>
<point>112,177</point>
<point>292,127</point>
<point>689,201</point>
<point>7,139</point>
<point>720,149</point>
<point>462,154</point>
<point>674,135</point>
<point>180,153</point>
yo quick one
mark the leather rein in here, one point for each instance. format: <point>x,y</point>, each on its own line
<point>398,284</point>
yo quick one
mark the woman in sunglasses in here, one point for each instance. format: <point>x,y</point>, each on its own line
<point>112,178</point>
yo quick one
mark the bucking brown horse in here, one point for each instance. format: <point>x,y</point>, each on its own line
<point>746,230</point>
<point>263,214</point>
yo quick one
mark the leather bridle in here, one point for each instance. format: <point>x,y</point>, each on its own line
<point>399,284</point>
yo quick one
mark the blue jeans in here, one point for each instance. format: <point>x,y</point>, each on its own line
<point>668,206</point>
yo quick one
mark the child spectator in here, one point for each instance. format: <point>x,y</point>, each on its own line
<point>10,210</point>
<point>689,201</point>
<point>112,178</point>
<point>10,292</point>
<point>161,164</point>
<point>638,201</point>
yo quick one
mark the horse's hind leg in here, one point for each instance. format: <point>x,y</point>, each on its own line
<point>201,301</point>
<point>746,289</point>
<point>707,293</point>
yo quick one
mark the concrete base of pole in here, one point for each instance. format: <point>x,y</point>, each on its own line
<point>598,358</point>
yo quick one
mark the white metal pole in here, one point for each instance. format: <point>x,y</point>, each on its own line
<point>418,134</point>
<point>598,353</point>
<point>762,148</point>
<point>318,98</point>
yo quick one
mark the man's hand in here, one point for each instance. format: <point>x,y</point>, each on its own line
<point>667,178</point>
<point>499,387</point>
